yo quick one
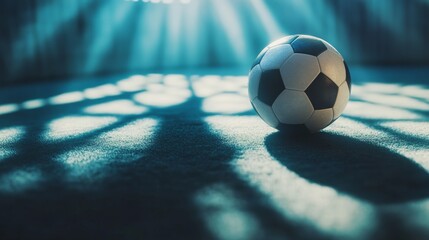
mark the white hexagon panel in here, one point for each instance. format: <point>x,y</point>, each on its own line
<point>299,71</point>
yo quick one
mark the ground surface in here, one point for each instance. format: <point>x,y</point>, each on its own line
<point>185,157</point>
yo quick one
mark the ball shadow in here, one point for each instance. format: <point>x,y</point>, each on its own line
<point>351,166</point>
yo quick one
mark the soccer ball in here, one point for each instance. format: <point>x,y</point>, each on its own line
<point>299,83</point>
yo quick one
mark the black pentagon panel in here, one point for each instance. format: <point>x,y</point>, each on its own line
<point>271,86</point>
<point>293,129</point>
<point>348,77</point>
<point>259,57</point>
<point>322,92</point>
<point>308,46</point>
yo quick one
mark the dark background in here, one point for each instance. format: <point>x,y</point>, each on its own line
<point>44,39</point>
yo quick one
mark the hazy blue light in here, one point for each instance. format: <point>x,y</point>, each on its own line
<point>233,43</point>
<point>173,51</point>
<point>135,35</point>
<point>47,21</point>
<point>100,45</point>
<point>146,46</point>
<point>20,180</point>
<point>271,29</point>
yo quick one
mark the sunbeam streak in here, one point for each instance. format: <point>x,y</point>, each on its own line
<point>48,22</point>
<point>171,54</point>
<point>270,25</point>
<point>102,39</point>
<point>232,27</point>
<point>147,42</point>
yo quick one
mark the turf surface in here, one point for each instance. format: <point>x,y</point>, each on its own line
<point>185,157</point>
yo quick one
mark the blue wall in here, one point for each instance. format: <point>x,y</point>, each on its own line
<point>42,39</point>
